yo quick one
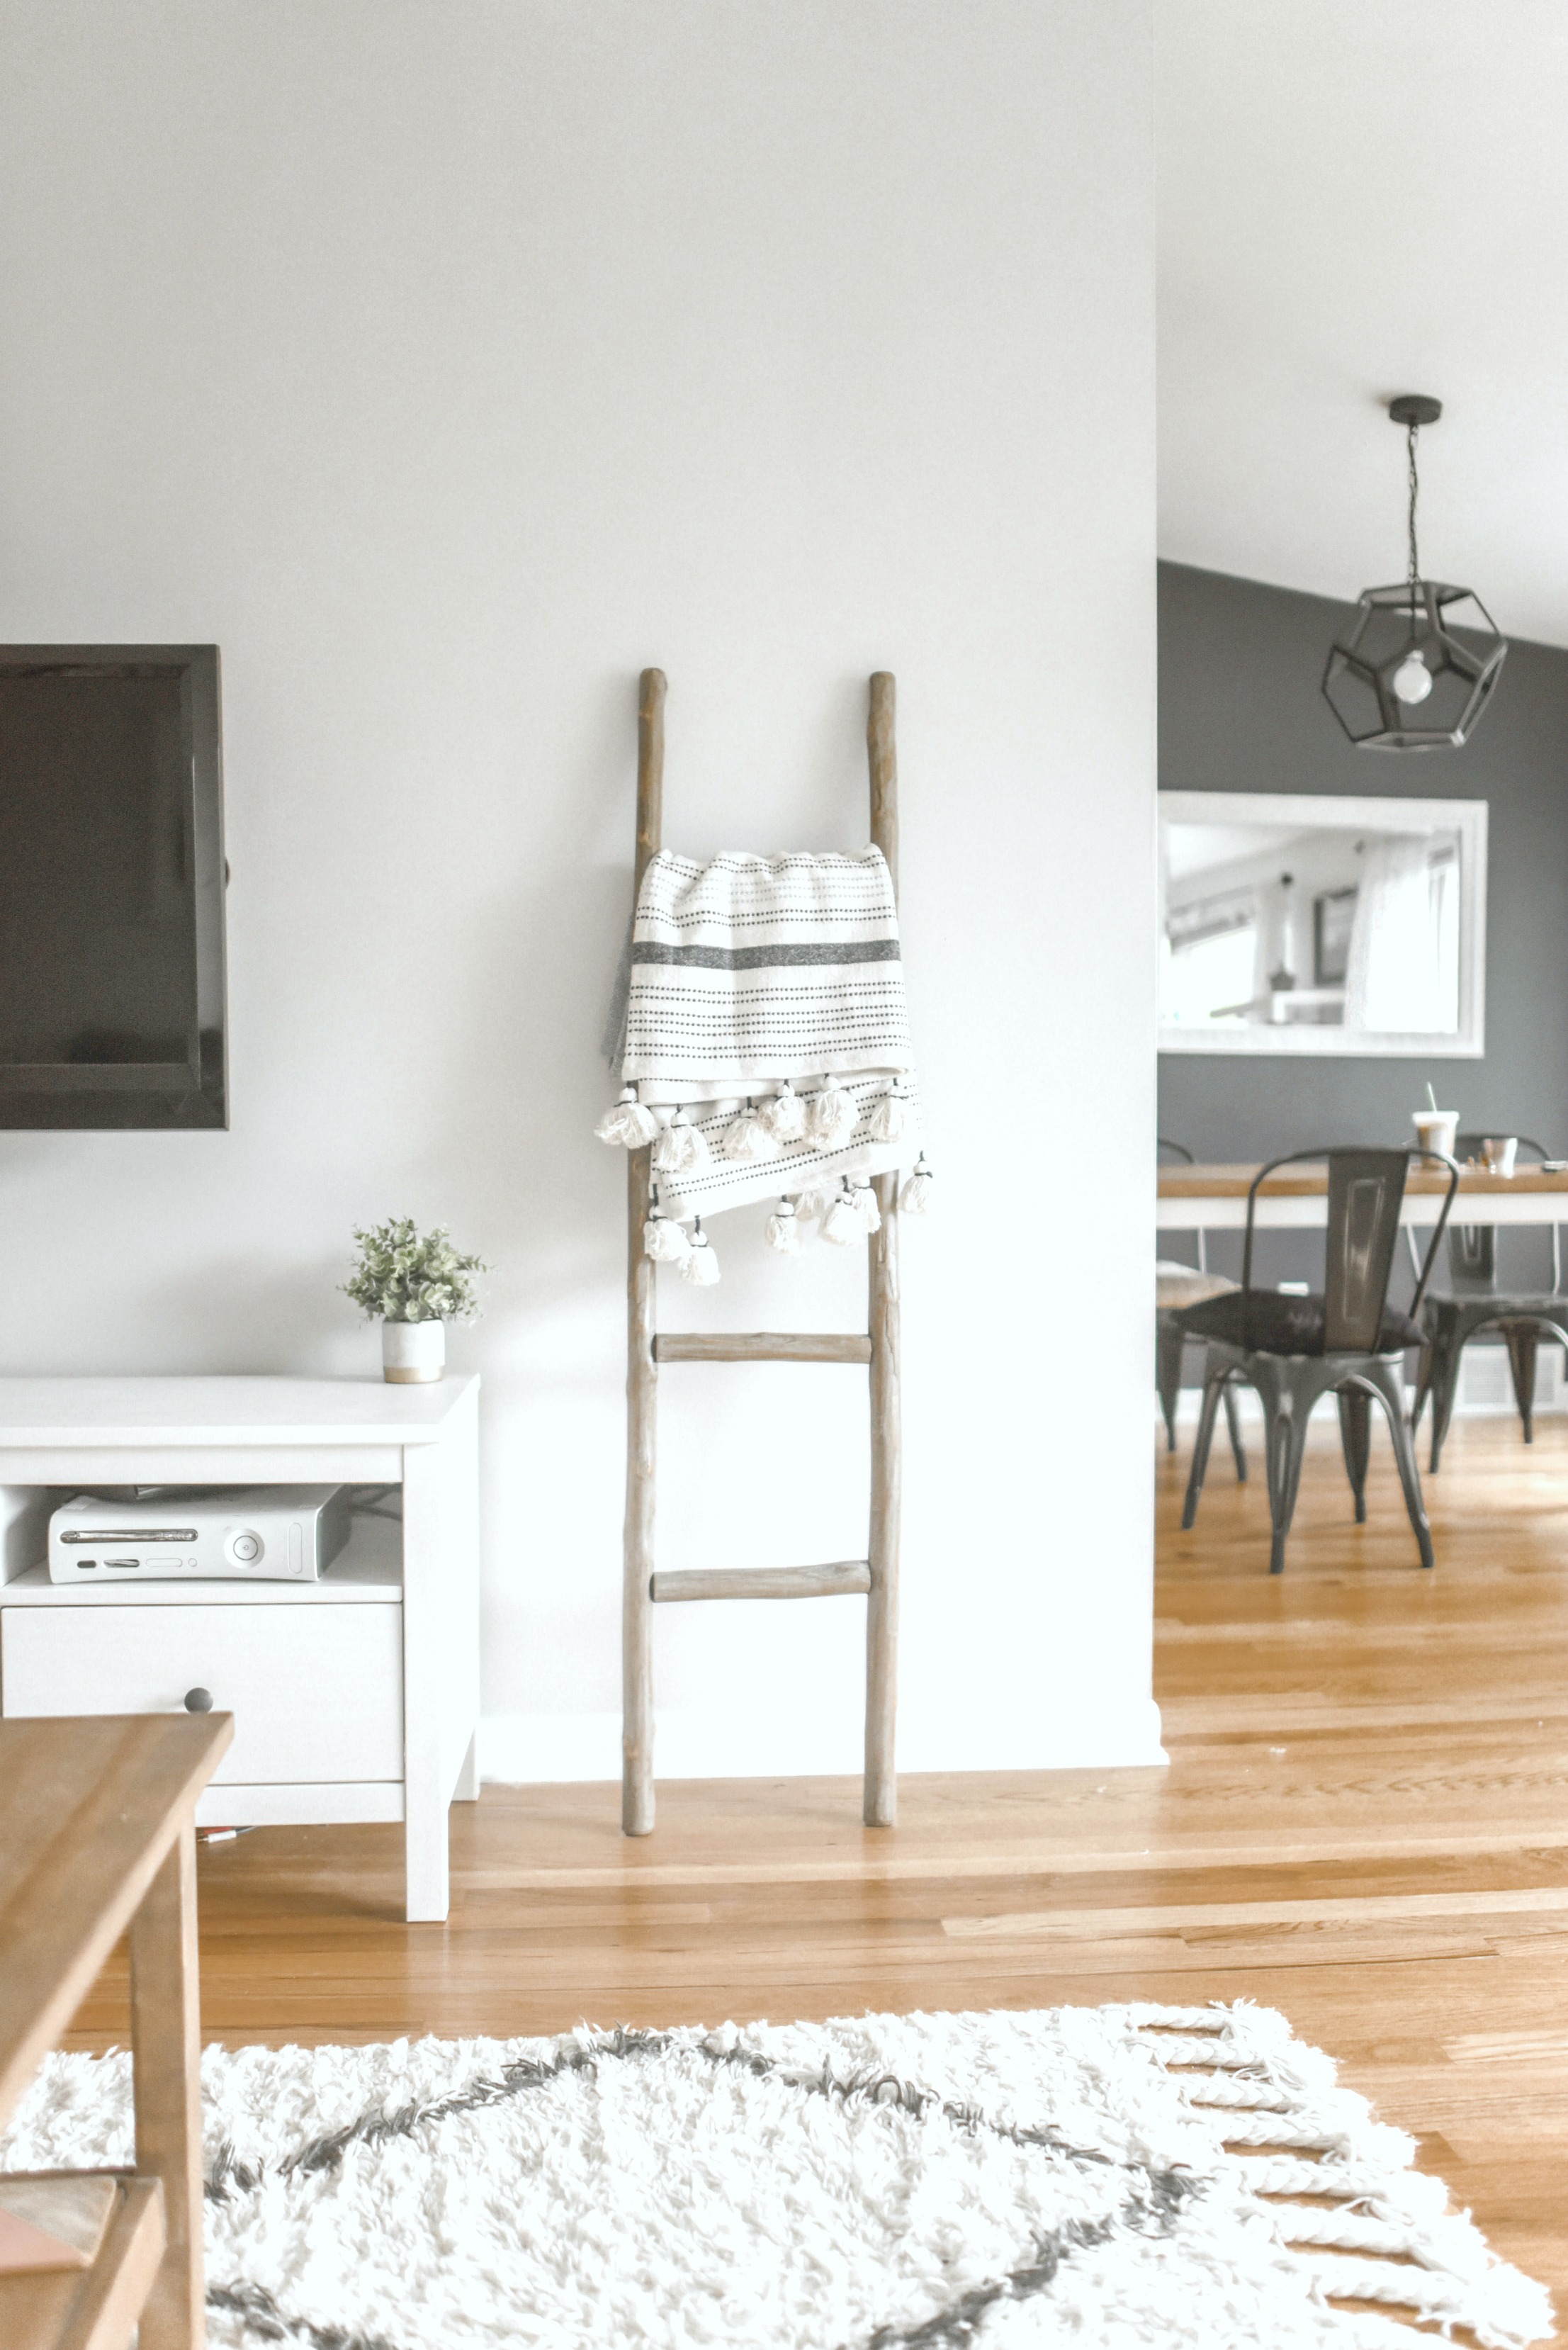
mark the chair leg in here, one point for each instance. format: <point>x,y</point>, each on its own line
<point>1389,1381</point>
<point>1423,1377</point>
<point>1446,1352</point>
<point>1288,1414</point>
<point>1233,1423</point>
<point>1167,1344</point>
<point>1213,1388</point>
<point>1356,1441</point>
<point>1523,1340</point>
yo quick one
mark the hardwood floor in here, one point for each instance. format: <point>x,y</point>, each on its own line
<point>1365,1823</point>
<point>1407,1736</point>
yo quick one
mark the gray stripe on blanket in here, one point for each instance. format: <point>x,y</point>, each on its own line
<point>765,958</point>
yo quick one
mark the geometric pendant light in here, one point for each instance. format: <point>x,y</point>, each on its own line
<point>1417,665</point>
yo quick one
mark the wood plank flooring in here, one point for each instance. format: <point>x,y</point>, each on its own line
<point>1365,1823</point>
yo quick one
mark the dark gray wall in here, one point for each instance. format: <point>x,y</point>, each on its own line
<point>1240,711</point>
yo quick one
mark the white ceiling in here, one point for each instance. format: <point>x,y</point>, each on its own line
<point>1359,198</point>
<point>1199,847</point>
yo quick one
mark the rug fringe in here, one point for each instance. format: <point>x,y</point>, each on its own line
<point>1386,2235</point>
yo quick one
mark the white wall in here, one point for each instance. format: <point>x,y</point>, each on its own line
<point>1355,201</point>
<point>445,364</point>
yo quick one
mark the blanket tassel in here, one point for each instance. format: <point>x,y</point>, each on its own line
<point>890,1114</point>
<point>784,1116</point>
<point>916,1196</point>
<point>701,1266</point>
<point>749,1135</point>
<point>781,1231</point>
<point>830,1116</point>
<point>681,1148</point>
<point>628,1123</point>
<point>664,1240</point>
<point>843,1224</point>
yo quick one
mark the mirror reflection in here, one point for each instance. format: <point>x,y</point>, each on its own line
<point>1290,923</point>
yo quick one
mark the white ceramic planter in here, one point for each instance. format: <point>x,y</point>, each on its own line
<point>413,1352</point>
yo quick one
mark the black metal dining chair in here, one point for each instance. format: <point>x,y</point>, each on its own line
<point>1176,1285</point>
<point>1348,1342</point>
<point>1475,1301</point>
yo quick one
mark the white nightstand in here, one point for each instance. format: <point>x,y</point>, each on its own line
<point>356,1698</point>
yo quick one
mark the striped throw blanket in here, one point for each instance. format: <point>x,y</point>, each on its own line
<point>764,1042</point>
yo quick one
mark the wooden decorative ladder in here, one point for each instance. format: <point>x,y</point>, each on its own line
<point>876,1347</point>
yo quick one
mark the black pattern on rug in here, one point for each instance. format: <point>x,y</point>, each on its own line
<point>376,2127</point>
<point>953,2328</point>
<point>1151,2209</point>
<point>261,2315</point>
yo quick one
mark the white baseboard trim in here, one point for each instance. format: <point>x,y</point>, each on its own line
<point>550,1749</point>
<point>286,1805</point>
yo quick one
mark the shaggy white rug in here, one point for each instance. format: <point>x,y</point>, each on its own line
<point>1100,2176</point>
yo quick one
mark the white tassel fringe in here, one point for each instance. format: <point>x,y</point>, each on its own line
<point>627,1124</point>
<point>844,1224</point>
<point>701,1266</point>
<point>916,1195</point>
<point>784,1114</point>
<point>664,1240</point>
<point>749,1135</point>
<point>830,1116</point>
<point>680,1149</point>
<point>816,1199</point>
<point>781,1231</point>
<point>890,1115</point>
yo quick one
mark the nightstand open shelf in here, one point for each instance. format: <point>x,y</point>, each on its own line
<point>354,1698</point>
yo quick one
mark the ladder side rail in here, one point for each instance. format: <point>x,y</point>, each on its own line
<point>641,1369</point>
<point>883,1321</point>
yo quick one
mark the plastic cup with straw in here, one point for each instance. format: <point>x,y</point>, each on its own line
<point>1437,1129</point>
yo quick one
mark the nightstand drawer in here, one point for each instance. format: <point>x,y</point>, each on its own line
<point>315,1691</point>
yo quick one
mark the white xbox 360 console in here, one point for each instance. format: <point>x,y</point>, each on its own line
<point>291,1533</point>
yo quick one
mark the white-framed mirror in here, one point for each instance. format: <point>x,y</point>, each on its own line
<point>1298,922</point>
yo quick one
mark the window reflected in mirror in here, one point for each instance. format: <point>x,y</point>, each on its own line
<point>1303,923</point>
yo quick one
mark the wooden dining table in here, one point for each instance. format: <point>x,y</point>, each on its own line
<point>1214,1198</point>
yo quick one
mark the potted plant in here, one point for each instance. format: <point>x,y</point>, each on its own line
<point>416,1283</point>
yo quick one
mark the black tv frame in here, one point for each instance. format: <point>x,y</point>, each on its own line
<point>44,1095</point>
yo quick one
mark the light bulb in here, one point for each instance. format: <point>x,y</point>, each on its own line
<point>1412,679</point>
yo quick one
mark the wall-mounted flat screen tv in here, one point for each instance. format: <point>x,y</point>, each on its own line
<point>112,887</point>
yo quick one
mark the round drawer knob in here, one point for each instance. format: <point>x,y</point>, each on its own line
<point>198,1701</point>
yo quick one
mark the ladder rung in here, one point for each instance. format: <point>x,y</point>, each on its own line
<point>763,1582</point>
<point>762,1347</point>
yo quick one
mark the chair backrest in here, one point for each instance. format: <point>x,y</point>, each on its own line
<point>1366,1193</point>
<point>1472,1257</point>
<point>1163,1143</point>
<point>1472,1248</point>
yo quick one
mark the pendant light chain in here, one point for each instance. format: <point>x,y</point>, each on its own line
<point>1415,669</point>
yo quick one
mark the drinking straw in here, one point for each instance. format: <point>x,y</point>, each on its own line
<point>1431,1099</point>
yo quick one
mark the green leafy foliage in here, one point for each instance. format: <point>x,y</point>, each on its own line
<point>404,1276</point>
